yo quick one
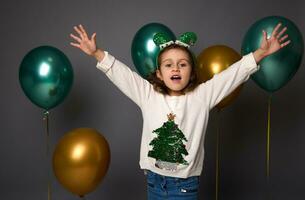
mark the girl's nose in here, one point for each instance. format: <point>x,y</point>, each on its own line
<point>176,68</point>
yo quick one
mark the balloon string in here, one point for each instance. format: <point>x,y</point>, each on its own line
<point>217,156</point>
<point>268,138</point>
<point>46,119</point>
<point>268,149</point>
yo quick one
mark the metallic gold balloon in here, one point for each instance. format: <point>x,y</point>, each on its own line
<point>81,160</point>
<point>213,60</point>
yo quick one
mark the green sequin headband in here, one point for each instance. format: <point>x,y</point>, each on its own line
<point>186,39</point>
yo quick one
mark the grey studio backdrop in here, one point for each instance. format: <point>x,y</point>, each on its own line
<point>95,102</point>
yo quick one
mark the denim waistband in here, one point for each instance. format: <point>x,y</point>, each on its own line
<point>153,175</point>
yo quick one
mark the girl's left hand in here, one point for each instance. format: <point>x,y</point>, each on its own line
<point>273,44</point>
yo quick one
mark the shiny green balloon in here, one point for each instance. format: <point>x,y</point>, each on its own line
<point>46,76</point>
<point>144,52</point>
<point>276,69</point>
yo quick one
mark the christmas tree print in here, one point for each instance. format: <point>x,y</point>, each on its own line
<point>168,145</point>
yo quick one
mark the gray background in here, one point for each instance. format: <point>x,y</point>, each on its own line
<point>95,102</point>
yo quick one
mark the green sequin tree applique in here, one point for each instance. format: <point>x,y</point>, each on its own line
<point>168,148</point>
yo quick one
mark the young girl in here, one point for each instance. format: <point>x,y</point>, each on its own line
<point>175,108</point>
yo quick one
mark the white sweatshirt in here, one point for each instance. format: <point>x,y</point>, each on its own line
<point>191,109</point>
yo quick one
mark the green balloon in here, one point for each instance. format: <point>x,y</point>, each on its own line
<point>144,52</point>
<point>277,69</point>
<point>46,76</point>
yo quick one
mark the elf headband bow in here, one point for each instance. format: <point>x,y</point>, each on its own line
<point>186,39</point>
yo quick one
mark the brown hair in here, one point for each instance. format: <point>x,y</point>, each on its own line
<point>159,85</point>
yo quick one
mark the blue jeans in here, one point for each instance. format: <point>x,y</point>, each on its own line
<point>171,188</point>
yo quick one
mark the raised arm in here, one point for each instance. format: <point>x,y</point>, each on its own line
<point>222,84</point>
<point>128,81</point>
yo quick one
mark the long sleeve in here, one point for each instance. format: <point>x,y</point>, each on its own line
<point>128,81</point>
<point>222,84</point>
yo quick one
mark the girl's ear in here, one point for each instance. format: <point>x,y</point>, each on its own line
<point>159,75</point>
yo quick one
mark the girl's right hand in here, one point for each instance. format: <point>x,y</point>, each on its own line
<point>85,44</point>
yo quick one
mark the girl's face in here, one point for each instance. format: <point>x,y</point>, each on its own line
<point>175,70</point>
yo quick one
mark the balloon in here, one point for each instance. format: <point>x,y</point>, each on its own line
<point>277,69</point>
<point>46,76</point>
<point>81,160</point>
<point>144,52</point>
<point>213,60</point>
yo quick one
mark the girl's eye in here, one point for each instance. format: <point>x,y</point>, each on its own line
<point>168,65</point>
<point>183,64</point>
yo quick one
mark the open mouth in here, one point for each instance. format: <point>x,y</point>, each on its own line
<point>175,77</point>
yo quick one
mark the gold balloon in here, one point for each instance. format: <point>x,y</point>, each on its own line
<point>81,160</point>
<point>213,60</point>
